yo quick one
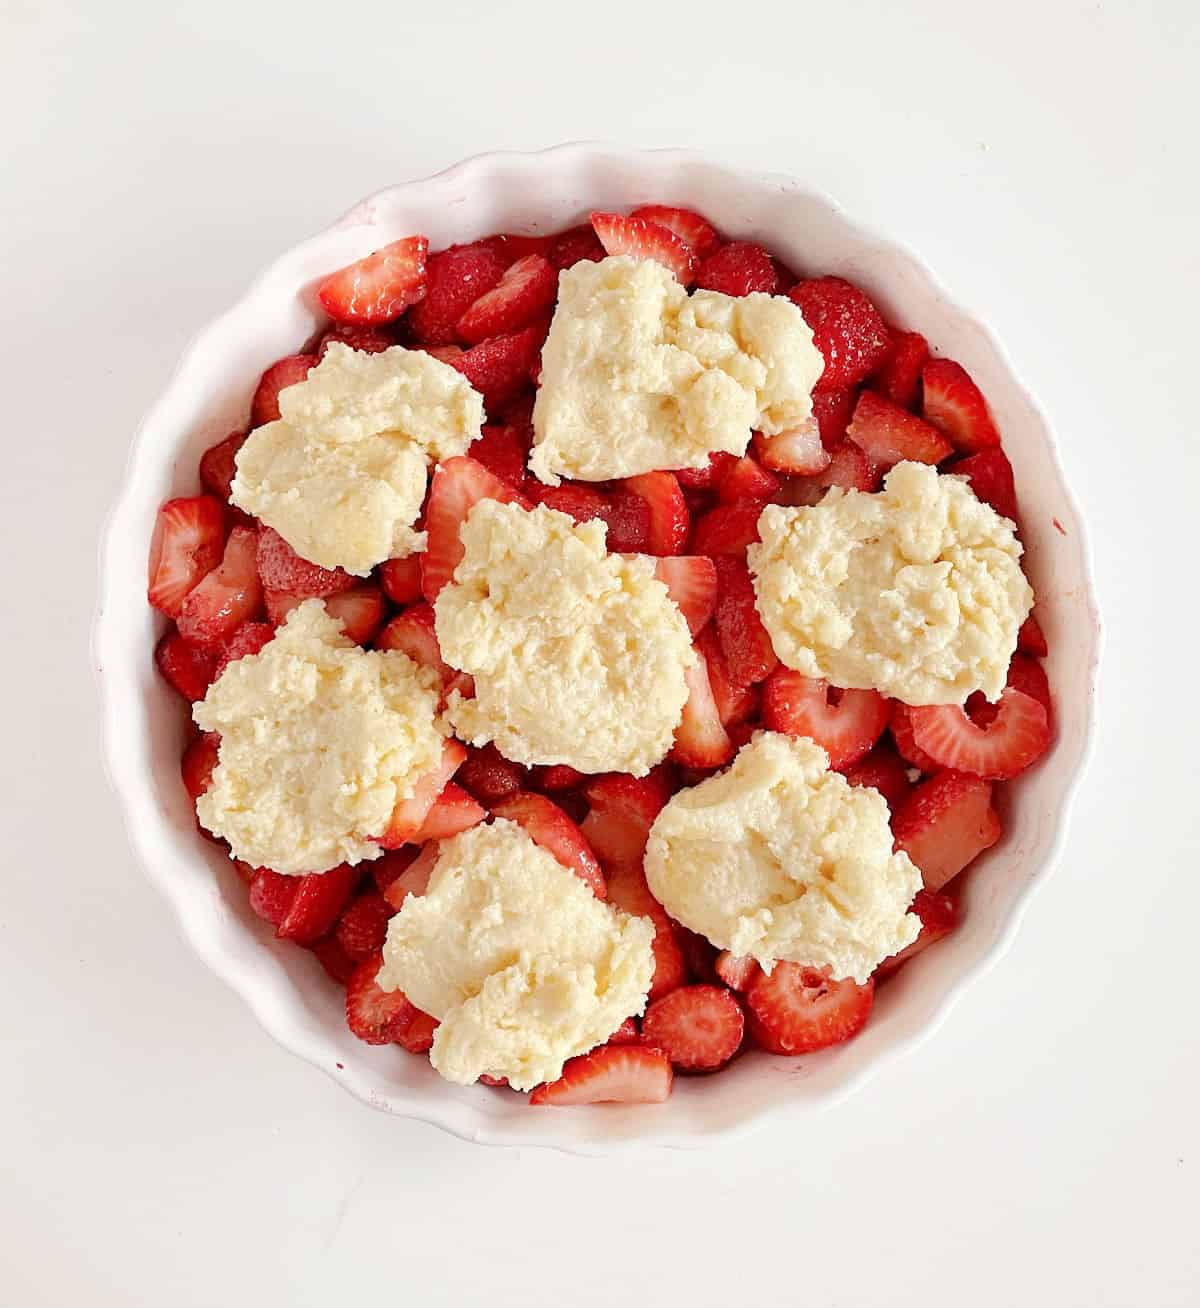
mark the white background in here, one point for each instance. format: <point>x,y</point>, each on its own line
<point>155,1147</point>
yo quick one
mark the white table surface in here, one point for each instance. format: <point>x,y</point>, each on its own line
<point>156,1148</point>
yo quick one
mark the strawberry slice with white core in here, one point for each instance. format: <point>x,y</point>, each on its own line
<point>691,581</point>
<point>945,823</point>
<point>612,1074</point>
<point>453,811</point>
<point>955,405</point>
<point>640,239</point>
<point>547,825</point>
<point>380,287</point>
<point>668,518</point>
<point>939,916</point>
<point>697,233</point>
<point>798,1009</point>
<point>621,812</point>
<point>699,1028</point>
<point>798,452</point>
<point>526,289</point>
<point>701,740</point>
<point>845,723</point>
<point>888,434</point>
<point>906,741</point>
<point>228,596</point>
<point>188,541</point>
<point>737,972</point>
<point>359,609</point>
<point>414,880</point>
<point>413,633</point>
<point>1017,737</point>
<point>410,814</point>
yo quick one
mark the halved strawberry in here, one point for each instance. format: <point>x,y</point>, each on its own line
<point>621,812</point>
<point>746,479</point>
<point>504,451</point>
<point>1025,674</point>
<point>526,289</point>
<point>271,895</point>
<point>500,366</point>
<point>707,477</point>
<point>189,668</point>
<point>697,233</point>
<point>227,596</point>
<point>199,759</point>
<point>366,340</point>
<point>991,478</point>
<point>557,776</point>
<point>453,811</point>
<point>409,814</point>
<point>362,928</point>
<point>883,770</point>
<point>727,529</point>
<point>899,376</point>
<point>845,723</point>
<point>620,234</point>
<point>401,579</point>
<point>547,825</point>
<point>454,280</point>
<point>218,465</point>
<point>333,958</point>
<point>735,704</point>
<point>378,288</point>
<point>612,1074</point>
<point>458,485</point>
<point>574,246</point>
<point>264,407</point>
<point>691,581</point>
<point>798,1009</point>
<point>249,638</point>
<point>1017,737</point>
<point>906,741</point>
<point>668,521</point>
<point>488,775</point>
<point>939,916</point>
<point>701,740</point>
<point>281,568</point>
<point>798,453</point>
<point>888,434</point>
<point>1031,639</point>
<point>954,404</point>
<point>846,328</point>
<point>699,1028</point>
<point>833,409</point>
<point>188,540</point>
<point>739,268</point>
<point>318,903</point>
<point>745,644</point>
<point>359,609</point>
<point>380,1017</point>
<point>736,972</point>
<point>414,880</point>
<point>628,891</point>
<point>945,823</point>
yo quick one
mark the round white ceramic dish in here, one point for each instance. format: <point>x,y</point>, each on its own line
<point>144,722</point>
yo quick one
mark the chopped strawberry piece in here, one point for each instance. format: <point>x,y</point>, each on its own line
<point>189,668</point>
<point>362,928</point>
<point>248,639</point>
<point>612,1074</point>
<point>626,1034</point>
<point>888,434</point>
<point>1017,737</point>
<point>628,891</point>
<point>453,811</point>
<point>417,1037</point>
<point>558,776</point>
<point>883,770</point>
<point>746,479</point>
<point>707,477</point>
<point>899,376</point>
<point>798,1009</point>
<point>412,632</point>
<point>955,405</point>
<point>199,759</point>
<point>414,880</point>
<point>380,1017</point>
<point>227,597</point>
<point>409,814</point>
<point>458,485</point>
<point>389,866</point>
<point>849,468</point>
<point>218,465</point>
<point>366,340</point>
<point>496,1082</point>
<point>846,328</point>
<point>401,579</point>
<point>939,916</point>
<point>945,823</point>
<point>701,741</point>
<point>846,723</point>
<point>503,451</point>
<point>699,1028</point>
<point>745,644</point>
<point>360,610</point>
<point>737,973</point>
<point>735,703</point>
<point>833,410</point>
<point>281,568</point>
<point>511,246</point>
<point>189,538</point>
<point>739,268</point>
<point>1031,639</point>
<point>583,503</point>
<point>697,233</point>
<point>547,825</point>
<point>526,289</point>
<point>798,453</point>
<point>699,955</point>
<point>630,520</point>
<point>334,959</point>
<point>488,775</point>
<point>264,407</point>
<point>906,741</point>
<point>575,246</point>
<point>378,288</point>
<point>640,239</point>
<point>444,353</point>
<point>271,895</point>
<point>499,367</point>
<point>621,812</point>
<point>991,478</point>
<point>454,280</point>
<point>668,520</point>
<point>1025,674</point>
<point>727,529</point>
<point>691,581</point>
<point>318,903</point>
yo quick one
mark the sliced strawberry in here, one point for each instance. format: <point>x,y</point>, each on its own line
<point>417,1036</point>
<point>707,477</point>
<point>640,239</point>
<point>227,597</point>
<point>189,538</point>
<point>746,479</point>
<point>955,405</point>
<point>511,246</point>
<point>248,639</point>
<point>504,451</point>
<point>458,485</point>
<point>626,1034</point>
<point>453,811</point>
<point>498,368</point>
<point>271,895</point>
<point>883,770</point>
<point>488,775</point>
<point>409,814</point>
<point>575,246</point>
<point>454,280</point>
<point>727,529</point>
<point>360,610</point>
<point>939,916</point>
<point>389,866</point>
<point>380,1017</point>
<point>218,465</point>
<point>318,903</point>
<point>517,411</point>
<point>557,776</point>
<point>366,340</point>
<point>414,880</point>
<point>668,518</point>
<point>412,632</point>
<point>334,959</point>
<point>845,723</point>
<point>737,973</point>
<point>833,410</point>
<point>699,956</point>
<point>798,453</point>
<point>1025,674</point>
<point>199,759</point>
<point>846,328</point>
<point>362,928</point>
<point>612,1074</point>
<point>378,288</point>
<point>1017,737</point>
<point>444,353</point>
<point>798,1009</point>
<point>526,289</point>
<point>628,891</point>
<point>906,741</point>
<point>264,407</point>
<point>691,581</point>
<point>701,741</point>
<point>697,233</point>
<point>547,825</point>
<point>281,568</point>
<point>849,468</point>
<point>699,1028</point>
<point>735,703</point>
<point>621,812</point>
<point>888,434</point>
<point>945,823</point>
<point>189,668</point>
<point>991,478</point>
<point>1031,639</point>
<point>583,503</point>
<point>401,579</point>
<point>739,268</point>
<point>899,376</point>
<point>629,519</point>
<point>745,644</point>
